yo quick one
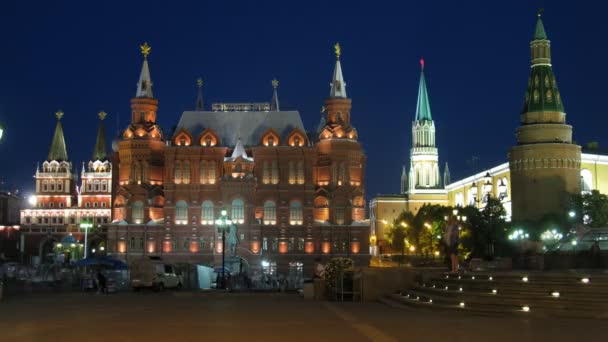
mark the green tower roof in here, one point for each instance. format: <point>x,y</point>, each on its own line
<point>542,94</point>
<point>540,33</point>
<point>100,151</point>
<point>423,108</point>
<point>58,150</point>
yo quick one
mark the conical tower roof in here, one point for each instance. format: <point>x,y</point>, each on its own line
<point>144,85</point>
<point>100,150</point>
<point>542,94</point>
<point>338,86</point>
<point>423,108</point>
<point>58,149</point>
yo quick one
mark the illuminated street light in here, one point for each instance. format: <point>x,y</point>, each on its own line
<point>32,200</point>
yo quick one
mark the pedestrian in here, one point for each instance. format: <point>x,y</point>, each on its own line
<point>101,279</point>
<point>451,237</point>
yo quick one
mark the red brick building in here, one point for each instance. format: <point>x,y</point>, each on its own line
<point>294,195</point>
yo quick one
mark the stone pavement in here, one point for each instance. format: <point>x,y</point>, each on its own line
<point>190,316</point>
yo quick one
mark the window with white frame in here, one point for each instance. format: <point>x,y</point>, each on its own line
<point>181,212</point>
<point>270,212</point>
<point>207,212</point>
<point>295,213</point>
<point>238,211</point>
<point>586,180</point>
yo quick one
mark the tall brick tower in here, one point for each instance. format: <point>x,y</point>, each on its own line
<point>139,196</point>
<point>340,168</point>
<point>545,164</point>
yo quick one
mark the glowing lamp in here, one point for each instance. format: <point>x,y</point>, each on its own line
<point>525,308</point>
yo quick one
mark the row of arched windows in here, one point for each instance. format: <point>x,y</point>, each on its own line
<point>182,172</point>
<point>52,185</point>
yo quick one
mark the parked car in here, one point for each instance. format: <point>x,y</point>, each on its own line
<point>155,274</point>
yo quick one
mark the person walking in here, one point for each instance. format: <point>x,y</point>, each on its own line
<point>452,239</point>
<point>101,279</point>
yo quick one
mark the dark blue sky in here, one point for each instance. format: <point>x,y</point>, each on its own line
<point>83,58</point>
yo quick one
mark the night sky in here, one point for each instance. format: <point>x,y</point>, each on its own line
<point>84,58</point>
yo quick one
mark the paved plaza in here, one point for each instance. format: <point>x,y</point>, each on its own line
<point>190,316</point>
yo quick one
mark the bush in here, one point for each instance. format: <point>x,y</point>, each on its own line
<point>333,269</point>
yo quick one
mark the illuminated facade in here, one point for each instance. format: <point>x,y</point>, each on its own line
<point>294,195</point>
<point>59,205</point>
<point>543,168</point>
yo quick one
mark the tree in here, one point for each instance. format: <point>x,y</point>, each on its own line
<point>492,219</point>
<point>591,209</point>
<point>398,232</point>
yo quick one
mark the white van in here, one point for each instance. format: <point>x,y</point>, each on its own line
<point>146,273</point>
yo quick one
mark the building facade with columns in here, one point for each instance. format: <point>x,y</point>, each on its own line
<point>294,195</point>
<point>543,168</point>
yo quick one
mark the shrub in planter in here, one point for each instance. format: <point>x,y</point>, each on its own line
<point>333,269</point>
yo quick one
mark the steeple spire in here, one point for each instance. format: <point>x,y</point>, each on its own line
<point>403,180</point>
<point>338,86</point>
<point>542,94</point>
<point>199,96</point>
<point>274,103</point>
<point>144,85</point>
<point>58,150</point>
<point>423,108</point>
<point>447,178</point>
<point>539,33</point>
<point>100,151</point>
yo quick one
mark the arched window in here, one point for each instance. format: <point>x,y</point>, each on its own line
<point>186,172</point>
<point>137,212</point>
<point>96,185</point>
<point>471,198</point>
<point>207,213</point>
<point>181,212</point>
<point>321,209</point>
<point>238,211</point>
<point>502,186</point>
<point>177,172</point>
<point>586,180</point>
<point>295,213</point>
<point>104,185</point>
<point>270,212</point>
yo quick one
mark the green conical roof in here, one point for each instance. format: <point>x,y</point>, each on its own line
<point>100,151</point>
<point>58,150</point>
<point>423,108</point>
<point>540,33</point>
<point>542,94</point>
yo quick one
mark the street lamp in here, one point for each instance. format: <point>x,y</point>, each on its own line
<point>223,224</point>
<point>86,226</point>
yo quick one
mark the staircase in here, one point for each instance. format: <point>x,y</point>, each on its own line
<point>544,294</point>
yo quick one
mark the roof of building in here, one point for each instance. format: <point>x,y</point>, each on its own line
<point>58,151</point>
<point>423,108</point>
<point>539,32</point>
<point>249,126</point>
<point>100,151</point>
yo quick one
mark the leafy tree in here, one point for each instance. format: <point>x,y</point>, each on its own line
<point>492,219</point>
<point>591,209</point>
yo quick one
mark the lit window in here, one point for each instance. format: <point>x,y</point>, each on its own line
<point>238,211</point>
<point>207,213</point>
<point>137,213</point>
<point>181,212</point>
<point>270,212</point>
<point>295,213</point>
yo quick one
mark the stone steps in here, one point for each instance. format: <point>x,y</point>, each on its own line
<point>473,292</point>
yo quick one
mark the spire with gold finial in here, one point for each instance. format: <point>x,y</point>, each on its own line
<point>58,150</point>
<point>274,103</point>
<point>338,86</point>
<point>100,151</point>
<point>144,85</point>
<point>199,97</point>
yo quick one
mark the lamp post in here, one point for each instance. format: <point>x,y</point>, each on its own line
<point>223,223</point>
<point>86,226</point>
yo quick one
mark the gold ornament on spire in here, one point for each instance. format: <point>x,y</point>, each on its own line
<point>540,12</point>
<point>102,115</point>
<point>199,82</point>
<point>145,50</point>
<point>59,114</point>
<point>275,83</point>
<point>338,50</point>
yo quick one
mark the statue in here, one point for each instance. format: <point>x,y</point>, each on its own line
<point>232,240</point>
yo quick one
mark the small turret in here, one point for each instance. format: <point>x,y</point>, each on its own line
<point>58,149</point>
